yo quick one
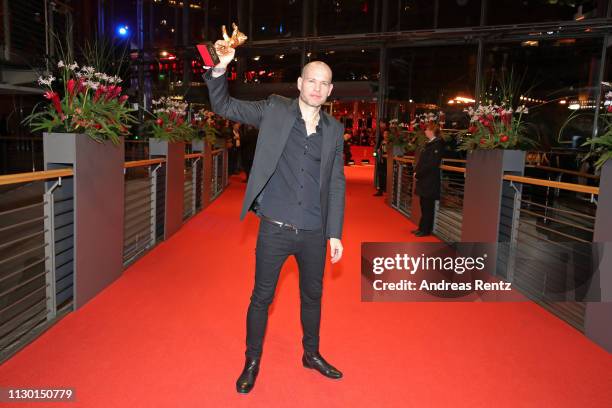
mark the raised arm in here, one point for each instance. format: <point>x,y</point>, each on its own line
<point>222,103</point>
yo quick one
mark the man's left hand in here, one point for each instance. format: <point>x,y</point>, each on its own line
<point>336,249</point>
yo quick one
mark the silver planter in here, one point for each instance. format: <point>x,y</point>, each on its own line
<point>174,153</point>
<point>97,189</point>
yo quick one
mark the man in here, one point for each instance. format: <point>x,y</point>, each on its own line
<point>296,187</point>
<point>381,168</point>
<point>427,177</point>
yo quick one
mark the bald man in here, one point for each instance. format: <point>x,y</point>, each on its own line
<point>296,188</point>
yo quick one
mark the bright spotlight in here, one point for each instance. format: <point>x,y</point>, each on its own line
<point>123,30</point>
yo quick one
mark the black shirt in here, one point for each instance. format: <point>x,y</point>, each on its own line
<point>292,194</point>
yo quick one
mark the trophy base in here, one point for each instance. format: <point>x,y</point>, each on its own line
<point>208,53</point>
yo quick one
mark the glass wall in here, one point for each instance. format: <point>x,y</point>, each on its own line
<point>344,17</point>
<point>531,11</point>
<point>272,68</point>
<point>427,78</point>
<point>559,79</point>
<point>277,19</point>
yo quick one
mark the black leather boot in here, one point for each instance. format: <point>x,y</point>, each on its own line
<point>247,378</point>
<point>315,361</point>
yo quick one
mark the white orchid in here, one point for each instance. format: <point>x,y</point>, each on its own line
<point>46,81</point>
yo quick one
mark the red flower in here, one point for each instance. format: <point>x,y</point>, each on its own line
<point>172,115</point>
<point>159,121</point>
<point>50,94</point>
<point>81,86</point>
<point>71,84</point>
<point>180,121</point>
<point>101,89</point>
<point>113,92</point>
<point>472,129</point>
<point>98,126</point>
<point>609,109</point>
<point>503,138</point>
<point>483,140</point>
<point>123,99</point>
<point>54,97</point>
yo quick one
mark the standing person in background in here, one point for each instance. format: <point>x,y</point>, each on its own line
<point>348,156</point>
<point>381,164</point>
<point>427,177</point>
<point>236,145</point>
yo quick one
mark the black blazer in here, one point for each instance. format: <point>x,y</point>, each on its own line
<point>427,169</point>
<point>275,117</point>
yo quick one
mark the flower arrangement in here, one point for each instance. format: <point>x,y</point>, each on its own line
<point>494,126</point>
<point>401,137</point>
<point>602,144</point>
<point>420,121</point>
<point>203,121</point>
<point>168,122</point>
<point>86,102</point>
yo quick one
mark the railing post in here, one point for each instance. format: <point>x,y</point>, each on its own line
<point>175,175</point>
<point>400,168</point>
<point>194,184</point>
<point>154,204</point>
<point>207,171</point>
<point>50,276</point>
<point>225,168</point>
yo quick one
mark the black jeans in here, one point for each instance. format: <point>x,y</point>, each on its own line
<point>274,245</point>
<point>428,207</point>
<point>381,173</point>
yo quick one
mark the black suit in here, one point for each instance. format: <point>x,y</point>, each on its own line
<point>427,173</point>
<point>276,117</point>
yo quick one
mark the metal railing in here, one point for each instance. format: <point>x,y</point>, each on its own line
<point>37,237</point>
<point>403,181</point>
<point>191,187</point>
<point>144,197</point>
<point>219,172</point>
<point>449,213</point>
<point>550,231</point>
<point>36,255</point>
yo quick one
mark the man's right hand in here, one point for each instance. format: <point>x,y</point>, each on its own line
<point>225,53</point>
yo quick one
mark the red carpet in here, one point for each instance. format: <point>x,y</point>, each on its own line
<point>170,333</point>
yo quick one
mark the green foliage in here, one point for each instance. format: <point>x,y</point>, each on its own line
<point>83,101</point>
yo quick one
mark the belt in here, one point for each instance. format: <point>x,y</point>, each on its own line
<point>280,223</point>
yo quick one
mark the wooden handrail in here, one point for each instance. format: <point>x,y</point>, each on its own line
<point>404,159</point>
<point>142,163</point>
<point>453,168</point>
<point>558,170</point>
<point>579,188</point>
<point>454,160</point>
<point>34,176</point>
<point>193,155</point>
<point>218,151</point>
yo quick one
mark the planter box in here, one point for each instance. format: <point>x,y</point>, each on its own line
<point>98,205</point>
<point>174,172</point>
<point>482,200</point>
<point>598,315</point>
<point>489,205</point>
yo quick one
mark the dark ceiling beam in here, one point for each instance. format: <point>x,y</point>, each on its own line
<point>506,33</point>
